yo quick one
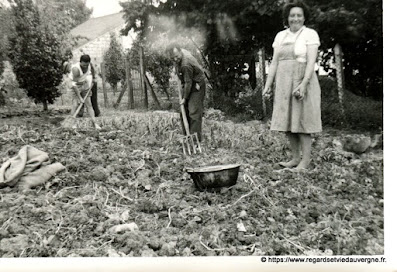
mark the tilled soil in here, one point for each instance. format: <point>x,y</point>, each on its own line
<point>125,192</point>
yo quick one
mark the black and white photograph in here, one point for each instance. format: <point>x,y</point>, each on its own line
<point>196,130</point>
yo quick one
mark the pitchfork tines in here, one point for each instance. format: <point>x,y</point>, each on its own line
<point>191,144</point>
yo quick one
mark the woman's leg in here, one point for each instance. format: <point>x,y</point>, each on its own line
<point>294,141</point>
<point>90,111</point>
<point>306,144</point>
<point>75,105</point>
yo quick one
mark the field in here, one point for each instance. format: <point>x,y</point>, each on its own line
<point>125,192</point>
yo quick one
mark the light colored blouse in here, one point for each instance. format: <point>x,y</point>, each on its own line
<point>86,77</point>
<point>303,37</point>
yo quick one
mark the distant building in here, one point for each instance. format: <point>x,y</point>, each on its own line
<point>94,36</point>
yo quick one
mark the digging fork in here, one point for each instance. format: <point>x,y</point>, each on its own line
<point>190,142</point>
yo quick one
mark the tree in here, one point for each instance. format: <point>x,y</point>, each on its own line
<point>114,63</point>
<point>76,10</point>
<point>158,65</point>
<point>357,26</point>
<point>5,29</point>
<point>227,33</point>
<point>69,13</point>
<point>35,53</point>
<point>231,32</point>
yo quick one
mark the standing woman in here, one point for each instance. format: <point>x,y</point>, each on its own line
<point>297,95</point>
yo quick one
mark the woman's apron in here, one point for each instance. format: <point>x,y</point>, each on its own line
<point>289,113</point>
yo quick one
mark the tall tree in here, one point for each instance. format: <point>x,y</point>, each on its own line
<point>5,30</point>
<point>158,65</point>
<point>234,30</point>
<point>69,13</point>
<point>357,26</point>
<point>114,63</point>
<point>228,33</point>
<point>35,53</point>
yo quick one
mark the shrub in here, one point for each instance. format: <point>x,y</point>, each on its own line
<point>250,101</point>
<point>114,63</point>
<point>360,113</point>
<point>36,53</point>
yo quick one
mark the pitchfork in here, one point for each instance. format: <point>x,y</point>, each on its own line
<point>190,142</point>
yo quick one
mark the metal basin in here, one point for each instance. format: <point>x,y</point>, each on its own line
<point>214,176</point>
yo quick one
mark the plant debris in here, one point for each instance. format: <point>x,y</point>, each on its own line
<point>125,193</point>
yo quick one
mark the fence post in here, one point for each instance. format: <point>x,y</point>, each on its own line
<point>157,102</point>
<point>339,73</point>
<point>105,94</point>
<point>129,85</point>
<point>142,72</point>
<point>262,78</point>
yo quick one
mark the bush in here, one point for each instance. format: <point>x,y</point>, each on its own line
<point>250,101</point>
<point>245,107</point>
<point>213,114</point>
<point>361,113</point>
<point>36,53</point>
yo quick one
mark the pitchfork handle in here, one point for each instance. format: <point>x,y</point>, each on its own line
<point>82,103</point>
<point>183,111</point>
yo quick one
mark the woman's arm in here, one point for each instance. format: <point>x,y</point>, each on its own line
<point>311,57</point>
<point>76,75</point>
<point>272,72</point>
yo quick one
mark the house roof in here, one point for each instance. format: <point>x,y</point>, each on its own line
<point>96,27</point>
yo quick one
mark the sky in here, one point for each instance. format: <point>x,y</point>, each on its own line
<point>103,7</point>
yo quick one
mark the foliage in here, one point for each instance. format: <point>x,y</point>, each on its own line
<point>5,29</point>
<point>360,113</point>
<point>156,63</point>
<point>10,87</point>
<point>62,16</point>
<point>36,53</point>
<point>68,13</point>
<point>130,176</point>
<point>227,33</point>
<point>114,62</point>
<point>232,31</point>
<point>357,26</point>
<point>250,102</point>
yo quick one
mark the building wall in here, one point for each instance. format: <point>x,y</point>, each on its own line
<point>96,48</point>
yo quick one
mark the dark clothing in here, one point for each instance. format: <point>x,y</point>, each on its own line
<point>190,73</point>
<point>194,87</point>
<point>194,108</point>
<point>94,97</point>
<point>94,101</point>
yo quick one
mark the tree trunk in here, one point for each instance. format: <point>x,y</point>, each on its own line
<point>45,105</point>
<point>167,94</point>
<point>262,79</point>
<point>152,92</point>
<point>114,89</point>
<point>339,73</point>
<point>129,85</point>
<point>213,95</point>
<point>105,94</point>
<point>142,72</point>
<point>252,73</point>
<point>123,88</point>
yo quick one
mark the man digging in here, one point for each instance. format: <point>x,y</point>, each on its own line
<point>192,77</point>
<point>83,78</point>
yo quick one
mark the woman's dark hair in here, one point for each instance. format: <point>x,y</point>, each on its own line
<point>85,58</point>
<point>295,4</point>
